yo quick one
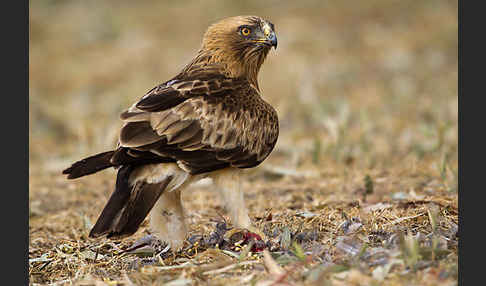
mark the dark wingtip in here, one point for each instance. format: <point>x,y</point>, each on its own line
<point>110,235</point>
<point>92,234</point>
<point>95,234</point>
<point>118,235</point>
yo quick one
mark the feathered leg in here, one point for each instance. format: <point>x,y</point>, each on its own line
<point>167,219</point>
<point>167,215</point>
<point>166,224</point>
<point>228,184</point>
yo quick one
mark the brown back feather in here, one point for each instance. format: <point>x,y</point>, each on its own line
<point>203,133</point>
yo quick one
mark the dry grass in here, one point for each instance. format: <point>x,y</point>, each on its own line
<point>360,190</point>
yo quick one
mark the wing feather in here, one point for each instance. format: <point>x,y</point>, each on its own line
<point>160,99</point>
<point>138,133</point>
<point>204,123</point>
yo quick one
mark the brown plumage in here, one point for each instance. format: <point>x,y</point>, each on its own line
<point>210,116</point>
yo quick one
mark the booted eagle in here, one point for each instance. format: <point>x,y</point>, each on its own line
<point>208,121</point>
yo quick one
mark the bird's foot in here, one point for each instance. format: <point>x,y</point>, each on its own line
<point>149,245</point>
<point>150,251</point>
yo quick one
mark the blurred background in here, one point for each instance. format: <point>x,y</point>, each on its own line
<point>363,85</point>
<point>366,93</point>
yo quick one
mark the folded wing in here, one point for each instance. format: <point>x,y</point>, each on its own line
<point>203,123</point>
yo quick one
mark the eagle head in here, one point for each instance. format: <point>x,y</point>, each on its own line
<point>240,43</point>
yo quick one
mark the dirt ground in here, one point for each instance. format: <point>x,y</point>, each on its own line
<point>361,188</point>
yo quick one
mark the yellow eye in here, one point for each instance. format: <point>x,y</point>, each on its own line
<point>245,31</point>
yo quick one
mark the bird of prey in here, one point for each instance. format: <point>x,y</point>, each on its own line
<point>210,120</point>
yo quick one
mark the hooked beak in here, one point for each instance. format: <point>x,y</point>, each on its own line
<point>268,37</point>
<point>272,38</point>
